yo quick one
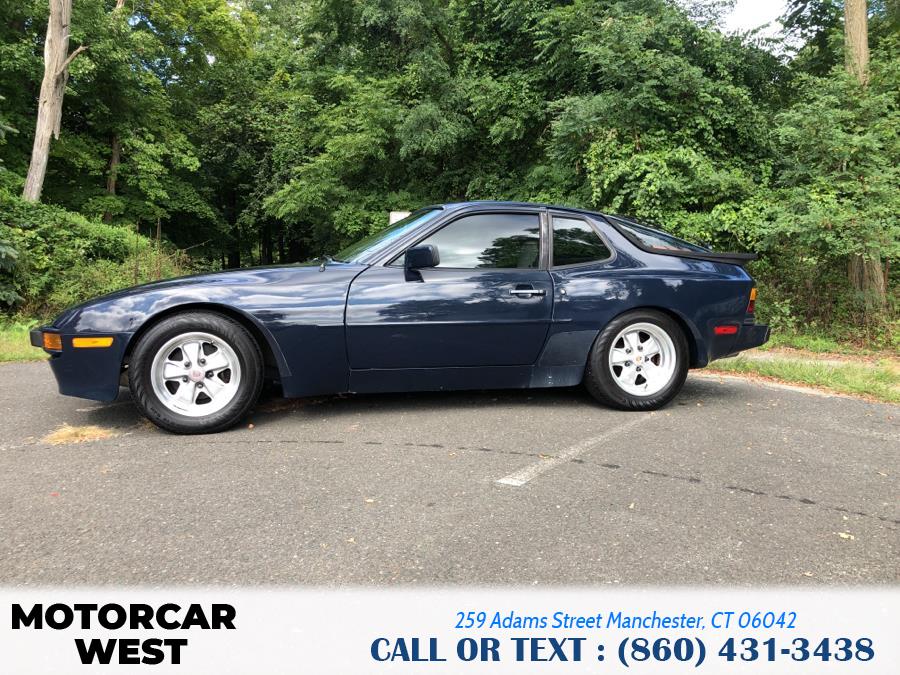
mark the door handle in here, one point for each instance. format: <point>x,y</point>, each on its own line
<point>526,292</point>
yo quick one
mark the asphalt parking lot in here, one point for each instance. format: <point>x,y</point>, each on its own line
<point>736,483</point>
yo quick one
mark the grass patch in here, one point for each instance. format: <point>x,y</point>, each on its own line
<point>811,343</point>
<point>821,343</point>
<point>15,344</point>
<point>876,379</point>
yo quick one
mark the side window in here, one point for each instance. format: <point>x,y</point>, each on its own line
<point>575,241</point>
<point>490,240</point>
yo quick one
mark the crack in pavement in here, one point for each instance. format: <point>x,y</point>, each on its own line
<point>654,473</point>
<point>693,480</point>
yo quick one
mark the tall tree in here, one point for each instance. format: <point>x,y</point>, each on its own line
<point>53,87</point>
<point>856,35</point>
<point>864,270</point>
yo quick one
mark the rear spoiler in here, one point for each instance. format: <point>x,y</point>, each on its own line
<point>739,259</point>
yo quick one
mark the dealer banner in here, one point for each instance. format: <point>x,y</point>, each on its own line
<point>474,630</point>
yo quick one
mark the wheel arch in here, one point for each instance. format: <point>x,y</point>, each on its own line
<point>690,331</point>
<point>273,358</point>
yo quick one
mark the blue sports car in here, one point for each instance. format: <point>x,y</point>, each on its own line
<point>476,295</point>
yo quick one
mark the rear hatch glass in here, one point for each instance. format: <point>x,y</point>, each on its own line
<point>653,238</point>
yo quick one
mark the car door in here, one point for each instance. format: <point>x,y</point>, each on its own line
<point>488,302</point>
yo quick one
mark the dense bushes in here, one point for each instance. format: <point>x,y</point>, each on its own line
<point>8,258</point>
<point>51,258</point>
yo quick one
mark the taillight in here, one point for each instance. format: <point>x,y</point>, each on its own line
<point>751,308</point>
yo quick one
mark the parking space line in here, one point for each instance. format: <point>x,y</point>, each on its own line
<point>529,473</point>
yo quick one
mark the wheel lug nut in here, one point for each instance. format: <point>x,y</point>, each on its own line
<point>627,350</point>
<point>199,385</point>
<point>638,369</point>
<point>209,373</point>
<point>187,364</point>
<point>184,379</point>
<point>202,362</point>
<point>628,364</point>
<point>640,349</point>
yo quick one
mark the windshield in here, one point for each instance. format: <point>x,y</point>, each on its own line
<point>374,243</point>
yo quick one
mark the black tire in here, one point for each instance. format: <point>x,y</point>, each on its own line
<point>223,328</point>
<point>600,381</point>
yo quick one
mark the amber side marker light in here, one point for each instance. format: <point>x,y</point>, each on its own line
<point>92,342</point>
<point>752,306</point>
<point>52,342</point>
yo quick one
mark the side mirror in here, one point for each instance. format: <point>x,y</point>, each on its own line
<point>422,256</point>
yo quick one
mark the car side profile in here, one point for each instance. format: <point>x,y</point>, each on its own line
<point>475,295</point>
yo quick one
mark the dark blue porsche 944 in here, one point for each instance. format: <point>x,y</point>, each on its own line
<point>478,295</point>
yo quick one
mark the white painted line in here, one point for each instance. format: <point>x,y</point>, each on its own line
<point>529,473</point>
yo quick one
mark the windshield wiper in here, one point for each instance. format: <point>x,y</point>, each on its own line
<point>325,260</point>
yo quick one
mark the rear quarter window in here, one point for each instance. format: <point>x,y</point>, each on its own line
<point>575,242</point>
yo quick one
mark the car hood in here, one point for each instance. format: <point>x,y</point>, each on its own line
<point>249,289</point>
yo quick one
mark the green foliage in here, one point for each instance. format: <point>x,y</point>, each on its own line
<point>8,259</point>
<point>839,165</point>
<point>65,258</point>
<point>135,84</point>
<point>4,126</point>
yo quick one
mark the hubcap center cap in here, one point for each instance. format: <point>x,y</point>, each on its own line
<point>196,375</point>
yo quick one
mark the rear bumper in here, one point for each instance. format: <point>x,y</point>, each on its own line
<point>85,373</point>
<point>749,335</point>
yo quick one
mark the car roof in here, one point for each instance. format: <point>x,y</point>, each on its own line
<point>504,204</point>
<point>614,218</point>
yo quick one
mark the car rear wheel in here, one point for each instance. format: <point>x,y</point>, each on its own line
<point>638,362</point>
<point>197,372</point>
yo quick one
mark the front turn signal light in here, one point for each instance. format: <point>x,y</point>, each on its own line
<point>53,342</point>
<point>92,342</point>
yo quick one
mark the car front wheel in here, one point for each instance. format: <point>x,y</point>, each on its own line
<point>638,362</point>
<point>197,372</point>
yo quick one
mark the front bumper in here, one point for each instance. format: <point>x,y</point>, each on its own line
<point>85,373</point>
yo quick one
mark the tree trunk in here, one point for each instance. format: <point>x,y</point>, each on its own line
<point>856,36</point>
<point>265,248</point>
<point>115,158</point>
<point>864,272</point>
<point>296,250</point>
<point>158,249</point>
<point>234,255</point>
<point>53,88</point>
<point>231,215</point>
<point>867,277</point>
